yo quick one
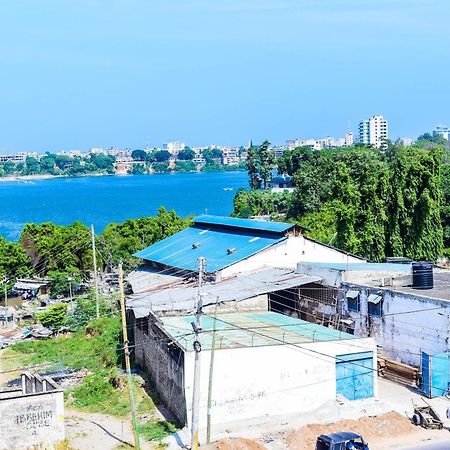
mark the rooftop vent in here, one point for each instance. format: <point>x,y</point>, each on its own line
<point>195,245</point>
<point>230,251</point>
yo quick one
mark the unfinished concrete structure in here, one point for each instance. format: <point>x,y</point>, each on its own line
<point>32,415</point>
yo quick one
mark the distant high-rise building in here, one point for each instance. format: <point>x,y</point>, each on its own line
<point>174,147</point>
<point>441,130</point>
<point>373,131</point>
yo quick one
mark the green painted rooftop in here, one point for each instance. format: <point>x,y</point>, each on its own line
<point>250,329</point>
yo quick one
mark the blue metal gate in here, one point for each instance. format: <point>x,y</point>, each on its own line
<point>435,374</point>
<point>354,375</point>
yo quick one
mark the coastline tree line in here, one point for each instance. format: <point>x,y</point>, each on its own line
<point>370,202</point>
<point>153,161</point>
<point>64,253</point>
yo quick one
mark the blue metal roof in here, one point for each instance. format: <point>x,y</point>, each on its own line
<point>219,240</point>
<point>251,224</point>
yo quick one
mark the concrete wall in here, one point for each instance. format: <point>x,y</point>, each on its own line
<point>274,380</point>
<point>404,328</point>
<point>32,420</point>
<point>164,364</point>
<point>288,254</point>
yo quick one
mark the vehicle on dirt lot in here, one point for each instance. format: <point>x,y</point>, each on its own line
<point>341,441</point>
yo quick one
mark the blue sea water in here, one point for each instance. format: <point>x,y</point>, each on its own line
<point>102,200</point>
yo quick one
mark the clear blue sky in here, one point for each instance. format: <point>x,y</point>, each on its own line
<point>87,73</point>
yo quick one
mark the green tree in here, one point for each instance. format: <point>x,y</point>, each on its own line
<point>187,154</point>
<point>260,163</point>
<point>118,242</point>
<point>139,155</point>
<point>55,316</point>
<point>161,156</point>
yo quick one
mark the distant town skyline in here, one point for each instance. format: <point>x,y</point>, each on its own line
<point>82,74</point>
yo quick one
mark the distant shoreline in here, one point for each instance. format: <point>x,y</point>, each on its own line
<point>25,178</point>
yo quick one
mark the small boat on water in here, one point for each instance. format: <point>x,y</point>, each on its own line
<point>227,188</point>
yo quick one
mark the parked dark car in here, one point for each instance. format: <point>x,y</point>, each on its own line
<point>341,441</point>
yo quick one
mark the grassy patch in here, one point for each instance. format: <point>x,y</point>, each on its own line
<point>157,431</point>
<point>95,348</point>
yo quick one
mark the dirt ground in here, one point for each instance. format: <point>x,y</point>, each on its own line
<point>373,429</point>
<point>89,431</point>
<point>387,431</point>
<point>235,444</point>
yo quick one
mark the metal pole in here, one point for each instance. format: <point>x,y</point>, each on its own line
<point>211,371</point>
<point>198,348</point>
<point>97,306</point>
<point>127,360</point>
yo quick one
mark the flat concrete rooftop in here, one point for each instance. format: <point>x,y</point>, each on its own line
<point>252,329</point>
<point>441,289</point>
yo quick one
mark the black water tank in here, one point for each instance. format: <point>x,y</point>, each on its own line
<point>422,275</point>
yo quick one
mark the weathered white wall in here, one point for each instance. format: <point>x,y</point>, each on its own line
<point>274,380</point>
<point>288,254</point>
<point>405,328</point>
<point>32,420</point>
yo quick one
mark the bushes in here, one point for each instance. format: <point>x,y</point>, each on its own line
<point>54,317</point>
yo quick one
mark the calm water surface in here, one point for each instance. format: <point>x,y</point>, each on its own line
<point>102,200</point>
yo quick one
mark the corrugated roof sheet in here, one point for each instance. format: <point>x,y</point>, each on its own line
<point>220,246</point>
<point>253,329</point>
<point>146,278</point>
<point>242,286</point>
<point>250,224</point>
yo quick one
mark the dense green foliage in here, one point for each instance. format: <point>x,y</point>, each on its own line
<point>367,202</point>
<point>64,255</point>
<point>58,248</point>
<point>119,241</point>
<point>54,317</point>
<point>51,164</point>
<point>13,260</point>
<point>260,163</point>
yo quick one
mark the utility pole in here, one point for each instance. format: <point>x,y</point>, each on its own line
<point>97,305</point>
<point>211,370</point>
<point>127,360</point>
<point>197,326</point>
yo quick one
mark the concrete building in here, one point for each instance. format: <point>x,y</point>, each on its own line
<point>230,157</point>
<point>249,264</point>
<point>174,147</point>
<point>32,416</point>
<point>378,300</point>
<point>373,131</point>
<point>16,158</point>
<point>280,183</point>
<point>264,364</point>
<point>442,131</point>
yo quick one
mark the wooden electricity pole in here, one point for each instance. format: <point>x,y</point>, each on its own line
<point>197,326</point>
<point>127,360</point>
<point>97,305</point>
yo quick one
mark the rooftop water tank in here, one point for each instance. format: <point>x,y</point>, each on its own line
<point>422,275</point>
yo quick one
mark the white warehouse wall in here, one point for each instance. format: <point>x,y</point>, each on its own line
<point>272,380</point>
<point>410,324</point>
<point>288,253</point>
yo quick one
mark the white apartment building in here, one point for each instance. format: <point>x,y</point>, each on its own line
<point>174,147</point>
<point>230,156</point>
<point>442,131</point>
<point>373,131</point>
